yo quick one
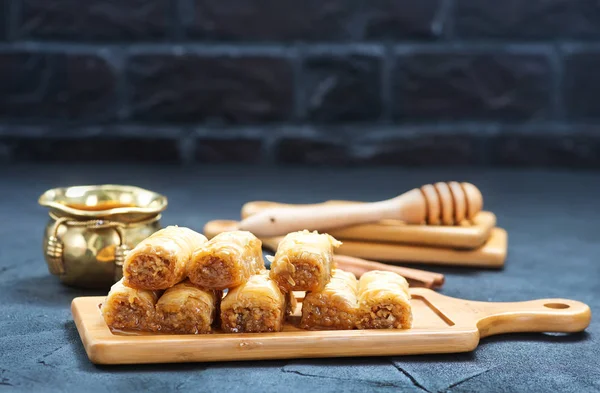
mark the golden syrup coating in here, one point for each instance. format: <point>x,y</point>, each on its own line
<point>303,261</point>
<point>379,282</point>
<point>383,301</point>
<point>159,261</point>
<point>258,305</point>
<point>129,309</point>
<point>335,306</point>
<point>227,260</point>
<point>187,309</point>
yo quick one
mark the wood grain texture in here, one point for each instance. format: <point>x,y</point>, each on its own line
<point>441,325</point>
<point>467,234</point>
<point>491,255</point>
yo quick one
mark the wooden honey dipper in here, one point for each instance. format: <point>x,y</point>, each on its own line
<point>437,204</point>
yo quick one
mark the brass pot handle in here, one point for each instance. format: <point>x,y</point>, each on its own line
<point>121,252</point>
<point>54,250</point>
<point>55,247</point>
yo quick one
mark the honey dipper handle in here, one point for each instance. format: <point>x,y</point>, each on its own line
<point>409,207</point>
<point>543,315</point>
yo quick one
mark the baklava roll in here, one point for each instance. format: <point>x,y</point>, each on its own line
<point>383,301</point>
<point>256,306</point>
<point>159,261</point>
<point>187,309</point>
<point>130,309</point>
<point>334,307</point>
<point>303,261</point>
<point>227,260</point>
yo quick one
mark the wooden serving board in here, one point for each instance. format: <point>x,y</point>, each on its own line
<point>441,325</point>
<point>491,254</point>
<point>467,235</point>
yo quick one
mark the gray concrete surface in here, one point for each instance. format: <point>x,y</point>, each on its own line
<point>551,217</point>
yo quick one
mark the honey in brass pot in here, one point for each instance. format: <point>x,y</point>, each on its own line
<point>106,205</point>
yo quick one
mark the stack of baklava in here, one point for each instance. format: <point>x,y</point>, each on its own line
<point>173,282</point>
<point>335,299</point>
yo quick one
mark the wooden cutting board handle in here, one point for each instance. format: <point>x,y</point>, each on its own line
<point>542,315</point>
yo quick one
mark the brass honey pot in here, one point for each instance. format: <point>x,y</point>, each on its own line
<point>91,229</point>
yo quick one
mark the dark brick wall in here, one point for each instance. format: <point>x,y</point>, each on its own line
<point>340,82</point>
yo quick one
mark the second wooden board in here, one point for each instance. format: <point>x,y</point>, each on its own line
<point>491,255</point>
<point>441,325</point>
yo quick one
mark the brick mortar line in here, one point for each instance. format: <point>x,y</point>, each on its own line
<point>558,71</point>
<point>177,27</point>
<point>268,150</point>
<point>226,133</point>
<point>568,47</point>
<point>14,16</point>
<point>298,102</point>
<point>323,49</point>
<point>387,79</point>
<point>111,131</point>
<point>118,62</point>
<point>186,148</point>
<point>135,47</point>
<point>60,129</point>
<point>372,47</point>
<point>503,47</point>
<point>449,26</point>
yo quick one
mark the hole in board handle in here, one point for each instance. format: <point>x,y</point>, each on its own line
<point>558,306</point>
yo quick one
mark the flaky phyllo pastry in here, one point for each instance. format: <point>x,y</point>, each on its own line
<point>130,309</point>
<point>227,260</point>
<point>187,309</point>
<point>303,261</point>
<point>159,261</point>
<point>333,307</point>
<point>383,301</point>
<point>258,305</point>
<point>257,300</point>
